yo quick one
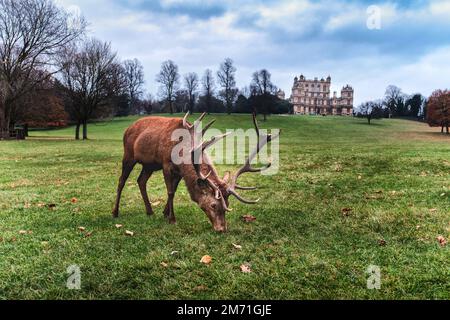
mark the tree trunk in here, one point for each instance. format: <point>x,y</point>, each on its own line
<point>369,119</point>
<point>85,137</point>
<point>77,131</point>
<point>170,107</point>
<point>4,124</point>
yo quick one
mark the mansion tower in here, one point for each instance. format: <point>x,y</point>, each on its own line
<point>314,97</point>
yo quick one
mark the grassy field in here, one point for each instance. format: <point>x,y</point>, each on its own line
<point>393,175</point>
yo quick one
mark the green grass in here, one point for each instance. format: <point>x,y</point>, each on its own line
<point>394,175</point>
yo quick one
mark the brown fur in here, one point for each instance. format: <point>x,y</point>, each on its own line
<point>148,142</point>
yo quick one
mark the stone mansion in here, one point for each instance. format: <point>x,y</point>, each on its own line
<point>313,97</point>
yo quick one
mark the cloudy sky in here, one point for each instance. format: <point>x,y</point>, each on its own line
<point>317,38</point>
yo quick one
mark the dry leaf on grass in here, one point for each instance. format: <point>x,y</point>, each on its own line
<point>74,200</point>
<point>164,265</point>
<point>51,206</point>
<point>246,268</point>
<point>248,218</point>
<point>23,232</point>
<point>174,253</point>
<point>82,229</point>
<point>382,242</point>
<point>87,235</point>
<point>118,226</point>
<point>201,288</point>
<point>27,205</point>
<point>129,233</point>
<point>237,246</point>
<point>433,210</point>
<point>156,203</point>
<point>206,259</point>
<point>442,241</point>
<point>346,211</point>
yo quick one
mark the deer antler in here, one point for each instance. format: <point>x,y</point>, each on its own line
<point>262,141</point>
<point>197,153</point>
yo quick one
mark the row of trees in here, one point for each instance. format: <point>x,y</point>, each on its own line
<point>435,110</point>
<point>192,93</point>
<point>50,72</point>
<point>395,103</point>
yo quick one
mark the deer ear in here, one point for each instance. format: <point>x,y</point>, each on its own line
<point>227,176</point>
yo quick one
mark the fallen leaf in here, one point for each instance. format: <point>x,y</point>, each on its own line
<point>201,288</point>
<point>164,264</point>
<point>129,233</point>
<point>41,205</point>
<point>87,235</point>
<point>157,203</point>
<point>74,200</point>
<point>382,242</point>
<point>346,211</point>
<point>245,268</point>
<point>118,226</point>
<point>237,246</point>
<point>206,260</point>
<point>27,205</point>
<point>82,229</point>
<point>443,194</point>
<point>174,253</point>
<point>248,218</point>
<point>433,210</point>
<point>359,177</point>
<point>442,241</point>
<point>23,232</point>
<point>52,206</point>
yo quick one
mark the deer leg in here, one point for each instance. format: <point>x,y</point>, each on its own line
<point>127,167</point>
<point>172,181</point>
<point>142,182</point>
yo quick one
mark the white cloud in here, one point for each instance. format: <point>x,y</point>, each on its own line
<point>196,44</point>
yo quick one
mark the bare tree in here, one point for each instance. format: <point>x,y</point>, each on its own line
<point>169,79</point>
<point>32,34</point>
<point>227,80</point>
<point>191,83</point>
<point>208,89</point>
<point>371,110</point>
<point>134,80</point>
<point>394,100</point>
<point>91,75</point>
<point>262,90</point>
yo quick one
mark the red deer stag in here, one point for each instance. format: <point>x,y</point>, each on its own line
<point>149,143</point>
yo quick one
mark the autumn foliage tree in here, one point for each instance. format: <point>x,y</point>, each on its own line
<point>438,110</point>
<point>32,34</point>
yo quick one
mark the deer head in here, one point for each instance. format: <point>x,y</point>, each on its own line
<point>215,192</point>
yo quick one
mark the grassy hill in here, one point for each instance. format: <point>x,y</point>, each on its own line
<point>393,176</point>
